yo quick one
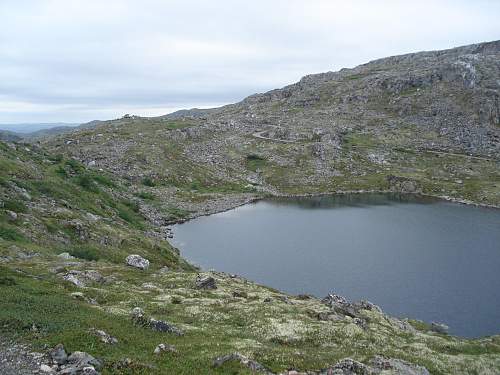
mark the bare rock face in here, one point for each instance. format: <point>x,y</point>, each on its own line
<point>137,261</point>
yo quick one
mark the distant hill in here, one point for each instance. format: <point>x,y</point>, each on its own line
<point>26,128</point>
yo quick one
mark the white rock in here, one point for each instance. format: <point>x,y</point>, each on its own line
<point>66,256</point>
<point>47,369</point>
<point>137,261</point>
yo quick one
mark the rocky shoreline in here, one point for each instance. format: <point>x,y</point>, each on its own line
<point>227,204</point>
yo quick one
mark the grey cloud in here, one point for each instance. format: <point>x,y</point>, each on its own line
<point>75,60</point>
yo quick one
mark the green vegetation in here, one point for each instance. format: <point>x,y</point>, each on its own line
<point>10,234</point>
<point>255,162</point>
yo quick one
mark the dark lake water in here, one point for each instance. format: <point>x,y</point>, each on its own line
<point>415,257</point>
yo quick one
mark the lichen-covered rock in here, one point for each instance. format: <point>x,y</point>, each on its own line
<point>137,261</point>
<point>105,337</point>
<point>82,278</point>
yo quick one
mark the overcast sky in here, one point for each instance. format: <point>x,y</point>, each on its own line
<point>75,61</point>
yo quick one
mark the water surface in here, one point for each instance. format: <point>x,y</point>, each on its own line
<point>414,257</point>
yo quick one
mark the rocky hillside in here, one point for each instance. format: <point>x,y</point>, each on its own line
<point>430,118</point>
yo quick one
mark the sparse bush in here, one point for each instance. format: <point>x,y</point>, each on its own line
<point>85,252</point>
<point>10,234</point>
<point>146,195</point>
<point>15,205</point>
<point>148,181</point>
<point>7,281</point>
<point>86,182</point>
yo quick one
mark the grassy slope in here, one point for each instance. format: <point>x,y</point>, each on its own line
<point>53,216</point>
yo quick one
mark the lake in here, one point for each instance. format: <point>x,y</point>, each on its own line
<point>414,257</point>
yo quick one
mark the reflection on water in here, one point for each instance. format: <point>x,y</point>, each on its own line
<point>415,257</point>
<point>351,200</point>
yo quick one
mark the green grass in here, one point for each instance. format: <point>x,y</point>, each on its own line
<point>148,181</point>
<point>10,234</point>
<point>15,205</point>
<point>85,252</point>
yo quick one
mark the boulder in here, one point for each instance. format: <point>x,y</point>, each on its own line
<point>161,348</point>
<point>72,278</point>
<point>205,282</point>
<point>11,215</point>
<point>82,360</point>
<point>58,355</point>
<point>139,318</point>
<point>162,326</point>
<point>137,261</point>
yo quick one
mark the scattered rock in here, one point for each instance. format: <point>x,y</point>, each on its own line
<point>251,364</point>
<point>104,337</point>
<point>161,348</point>
<point>205,282</point>
<point>137,261</point>
<point>11,215</point>
<point>81,278</point>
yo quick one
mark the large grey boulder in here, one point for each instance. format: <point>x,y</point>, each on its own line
<point>137,261</point>
<point>205,282</point>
